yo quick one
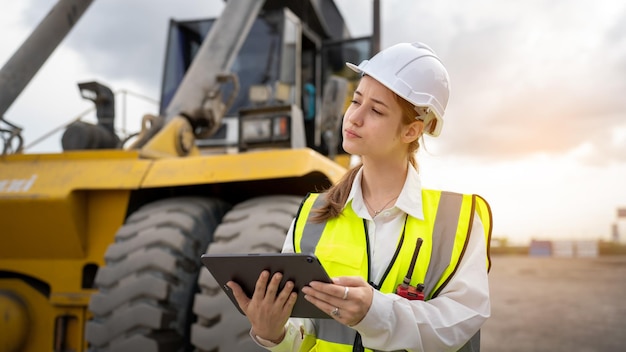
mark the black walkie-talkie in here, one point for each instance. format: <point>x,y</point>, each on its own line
<point>407,291</point>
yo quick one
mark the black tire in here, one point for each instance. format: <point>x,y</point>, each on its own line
<point>258,225</point>
<point>147,285</point>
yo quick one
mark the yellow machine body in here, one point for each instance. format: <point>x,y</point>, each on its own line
<point>59,212</point>
<point>75,247</point>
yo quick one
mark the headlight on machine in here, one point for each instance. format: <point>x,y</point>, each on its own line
<point>265,129</point>
<point>271,127</point>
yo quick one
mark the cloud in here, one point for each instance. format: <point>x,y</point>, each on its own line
<point>126,39</point>
<point>535,122</point>
<point>118,43</point>
<point>527,77</point>
<point>543,82</point>
<point>604,148</point>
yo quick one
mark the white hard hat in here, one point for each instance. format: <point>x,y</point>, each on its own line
<point>415,73</point>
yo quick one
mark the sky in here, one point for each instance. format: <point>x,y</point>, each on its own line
<point>536,121</point>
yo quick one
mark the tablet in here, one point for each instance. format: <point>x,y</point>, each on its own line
<point>245,269</point>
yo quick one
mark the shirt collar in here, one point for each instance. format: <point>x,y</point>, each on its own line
<point>409,201</point>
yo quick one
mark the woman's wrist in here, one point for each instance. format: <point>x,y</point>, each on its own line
<point>273,340</point>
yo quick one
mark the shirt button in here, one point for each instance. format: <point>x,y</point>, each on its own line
<point>386,214</point>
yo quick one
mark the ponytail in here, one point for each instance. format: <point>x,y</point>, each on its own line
<point>336,197</point>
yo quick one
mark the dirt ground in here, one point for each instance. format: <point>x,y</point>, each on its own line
<point>556,304</point>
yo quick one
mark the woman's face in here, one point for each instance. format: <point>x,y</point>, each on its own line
<point>372,125</point>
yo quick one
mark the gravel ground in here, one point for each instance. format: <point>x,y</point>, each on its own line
<point>556,304</point>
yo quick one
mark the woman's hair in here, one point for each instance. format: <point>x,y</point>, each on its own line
<point>337,195</point>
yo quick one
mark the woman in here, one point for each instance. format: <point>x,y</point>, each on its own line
<point>368,230</point>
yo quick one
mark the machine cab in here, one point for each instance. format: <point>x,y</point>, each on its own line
<point>283,69</point>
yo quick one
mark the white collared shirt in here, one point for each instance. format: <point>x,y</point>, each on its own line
<point>392,322</point>
<point>385,228</point>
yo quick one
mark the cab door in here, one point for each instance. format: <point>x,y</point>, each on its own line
<point>341,81</point>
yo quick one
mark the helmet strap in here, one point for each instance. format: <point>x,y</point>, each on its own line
<point>422,112</point>
<point>430,125</point>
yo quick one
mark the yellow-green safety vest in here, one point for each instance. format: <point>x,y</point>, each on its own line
<point>445,231</point>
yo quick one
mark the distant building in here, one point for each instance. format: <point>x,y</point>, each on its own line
<point>564,248</point>
<point>621,217</point>
<point>587,249</point>
<point>540,248</point>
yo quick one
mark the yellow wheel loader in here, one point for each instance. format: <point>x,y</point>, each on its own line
<point>100,244</point>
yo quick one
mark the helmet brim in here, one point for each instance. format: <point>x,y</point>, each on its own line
<point>354,67</point>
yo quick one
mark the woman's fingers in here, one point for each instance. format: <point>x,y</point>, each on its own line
<point>266,296</point>
<point>349,281</point>
<point>272,289</point>
<point>288,298</point>
<point>346,300</point>
<point>261,285</point>
<point>242,299</point>
<point>284,294</point>
<point>269,307</point>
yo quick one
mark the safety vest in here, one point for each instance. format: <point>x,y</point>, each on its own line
<point>342,246</point>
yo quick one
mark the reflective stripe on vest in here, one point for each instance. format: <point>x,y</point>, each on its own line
<point>448,219</point>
